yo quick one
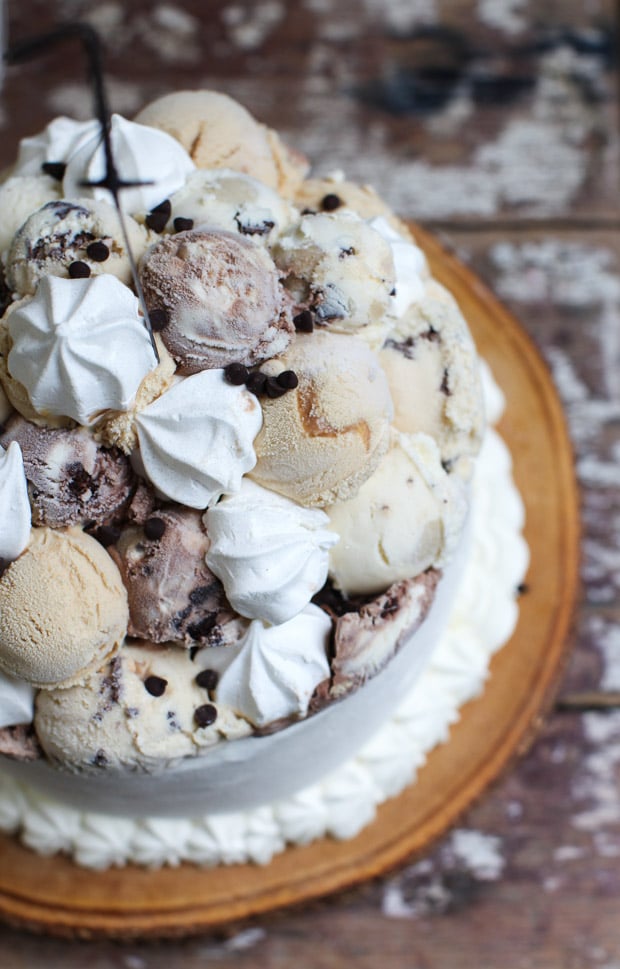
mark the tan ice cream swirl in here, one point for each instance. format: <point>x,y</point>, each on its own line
<point>320,441</point>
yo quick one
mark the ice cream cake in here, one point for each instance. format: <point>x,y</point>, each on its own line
<point>238,499</point>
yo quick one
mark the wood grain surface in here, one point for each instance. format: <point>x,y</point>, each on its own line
<point>495,122</point>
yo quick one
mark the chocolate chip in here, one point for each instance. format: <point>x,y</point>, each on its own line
<point>198,630</point>
<point>154,528</point>
<point>350,251</point>
<point>155,685</point>
<point>205,715</point>
<point>55,169</point>
<point>80,481</point>
<point>100,759</point>
<point>256,382</point>
<point>79,270</point>
<point>183,225</point>
<point>393,291</point>
<point>107,535</point>
<point>158,217</point>
<point>207,679</point>
<point>97,251</point>
<point>159,320</point>
<point>273,389</point>
<point>522,588</point>
<point>330,202</point>
<point>236,374</point>
<point>304,322</point>
<point>445,386</point>
<point>288,379</point>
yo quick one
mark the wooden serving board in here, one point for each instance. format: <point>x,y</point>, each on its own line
<point>53,895</point>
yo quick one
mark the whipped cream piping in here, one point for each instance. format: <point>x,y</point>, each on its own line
<point>80,347</point>
<point>196,439</point>
<point>272,672</point>
<point>410,265</point>
<point>345,801</point>
<point>142,154</point>
<point>270,553</point>
<point>15,513</point>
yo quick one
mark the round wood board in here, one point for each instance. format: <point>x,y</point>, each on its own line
<point>54,895</point>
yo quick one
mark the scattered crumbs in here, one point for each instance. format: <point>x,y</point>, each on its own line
<point>249,27</point>
<point>507,16</point>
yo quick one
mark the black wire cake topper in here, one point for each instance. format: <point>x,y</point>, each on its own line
<point>112,181</point>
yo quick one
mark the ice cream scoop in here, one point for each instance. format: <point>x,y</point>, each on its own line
<point>407,517</point>
<point>431,365</point>
<point>72,479</point>
<point>334,193</point>
<point>173,595</point>
<point>79,347</point>
<point>147,707</point>
<point>320,441</point>
<point>62,233</point>
<point>20,196</point>
<point>220,133</point>
<point>340,268</point>
<point>220,297</point>
<point>229,200</point>
<point>64,609</point>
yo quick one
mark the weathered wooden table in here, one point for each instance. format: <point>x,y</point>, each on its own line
<point>495,123</point>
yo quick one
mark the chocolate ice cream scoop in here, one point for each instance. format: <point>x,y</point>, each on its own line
<point>173,596</point>
<point>218,299</point>
<point>72,480</point>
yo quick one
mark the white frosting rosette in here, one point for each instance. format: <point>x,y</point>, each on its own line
<point>142,154</point>
<point>196,439</point>
<point>80,347</point>
<point>270,554</point>
<point>272,672</point>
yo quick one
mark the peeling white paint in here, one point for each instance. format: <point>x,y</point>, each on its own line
<point>402,16</point>
<point>568,853</point>
<point>241,942</point>
<point>598,781</point>
<point>423,888</point>
<point>507,16</point>
<point>249,27</point>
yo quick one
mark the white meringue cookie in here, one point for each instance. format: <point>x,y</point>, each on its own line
<point>270,554</point>
<point>15,513</point>
<point>80,347</point>
<point>196,439</point>
<point>409,263</point>
<point>16,701</point>
<point>273,671</point>
<point>142,154</point>
<point>54,144</point>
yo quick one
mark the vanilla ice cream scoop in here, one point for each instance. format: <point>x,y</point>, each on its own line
<point>229,200</point>
<point>339,267</point>
<point>63,233</point>
<point>20,196</point>
<point>407,517</point>
<point>220,297</point>
<point>432,368</point>
<point>217,132</point>
<point>320,441</point>
<point>64,609</point>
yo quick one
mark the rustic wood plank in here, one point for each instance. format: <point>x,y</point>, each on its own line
<point>456,110</point>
